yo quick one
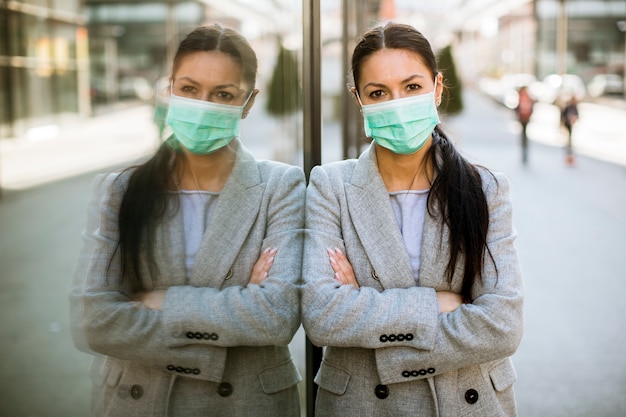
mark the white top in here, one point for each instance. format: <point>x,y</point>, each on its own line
<point>196,206</point>
<point>410,209</point>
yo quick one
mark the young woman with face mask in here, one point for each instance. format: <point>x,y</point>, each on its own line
<point>412,280</point>
<point>187,285</point>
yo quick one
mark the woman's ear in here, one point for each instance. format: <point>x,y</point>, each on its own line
<point>440,87</point>
<point>250,103</point>
<point>355,95</point>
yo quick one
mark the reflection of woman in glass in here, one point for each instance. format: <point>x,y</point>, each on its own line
<point>412,280</point>
<point>187,284</point>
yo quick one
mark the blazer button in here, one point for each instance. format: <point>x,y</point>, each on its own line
<point>409,336</point>
<point>406,374</point>
<point>383,338</point>
<point>136,391</point>
<point>224,389</point>
<point>229,275</point>
<point>471,396</point>
<point>381,391</point>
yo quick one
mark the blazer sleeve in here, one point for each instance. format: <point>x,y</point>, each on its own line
<point>252,315</point>
<point>104,319</point>
<point>339,315</point>
<point>489,328</point>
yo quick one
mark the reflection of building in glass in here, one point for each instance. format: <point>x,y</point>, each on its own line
<point>43,56</point>
<point>69,58</point>
<point>128,44</point>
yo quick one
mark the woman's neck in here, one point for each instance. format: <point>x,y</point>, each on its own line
<point>206,172</point>
<point>404,172</point>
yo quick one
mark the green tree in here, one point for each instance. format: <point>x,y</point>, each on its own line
<point>452,95</point>
<point>285,91</point>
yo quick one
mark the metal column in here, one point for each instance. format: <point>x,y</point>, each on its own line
<point>312,141</point>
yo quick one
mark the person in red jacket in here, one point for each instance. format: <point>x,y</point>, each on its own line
<point>524,111</point>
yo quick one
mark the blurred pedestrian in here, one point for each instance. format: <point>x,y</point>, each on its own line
<point>411,276</point>
<point>524,111</point>
<point>187,285</point>
<point>569,117</point>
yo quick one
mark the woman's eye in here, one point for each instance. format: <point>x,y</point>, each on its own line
<point>225,96</point>
<point>377,94</point>
<point>413,87</point>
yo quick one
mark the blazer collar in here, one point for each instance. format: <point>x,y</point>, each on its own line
<point>375,223</point>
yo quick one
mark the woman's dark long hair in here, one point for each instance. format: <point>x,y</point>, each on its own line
<point>145,201</point>
<point>456,196</point>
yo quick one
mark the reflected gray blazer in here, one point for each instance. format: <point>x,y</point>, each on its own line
<point>389,352</point>
<point>229,337</point>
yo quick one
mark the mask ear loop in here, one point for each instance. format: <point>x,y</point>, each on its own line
<point>435,99</point>
<point>437,103</point>
<point>243,106</point>
<point>356,94</point>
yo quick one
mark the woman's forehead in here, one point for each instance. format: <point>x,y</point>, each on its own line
<point>392,64</point>
<point>209,67</point>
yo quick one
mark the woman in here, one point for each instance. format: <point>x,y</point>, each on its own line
<point>412,281</point>
<point>569,117</point>
<point>187,288</point>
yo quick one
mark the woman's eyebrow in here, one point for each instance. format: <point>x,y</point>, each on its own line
<point>412,77</point>
<point>406,80</point>
<point>229,85</point>
<point>188,79</point>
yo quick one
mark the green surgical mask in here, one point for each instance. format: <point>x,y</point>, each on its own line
<point>402,125</point>
<point>203,127</point>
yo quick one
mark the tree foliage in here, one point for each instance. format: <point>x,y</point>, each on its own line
<point>452,95</point>
<point>285,90</point>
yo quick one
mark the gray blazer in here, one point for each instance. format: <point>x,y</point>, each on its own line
<point>389,352</point>
<point>218,343</point>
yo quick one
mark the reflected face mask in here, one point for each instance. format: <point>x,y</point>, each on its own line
<point>203,127</point>
<point>402,125</point>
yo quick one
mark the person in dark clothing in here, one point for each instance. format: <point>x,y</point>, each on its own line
<point>569,117</point>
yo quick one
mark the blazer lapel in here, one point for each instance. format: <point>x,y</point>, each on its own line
<point>376,224</point>
<point>230,223</point>
<point>169,249</point>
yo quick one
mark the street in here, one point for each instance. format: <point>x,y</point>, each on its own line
<point>571,222</point>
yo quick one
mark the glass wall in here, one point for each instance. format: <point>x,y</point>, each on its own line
<point>38,64</point>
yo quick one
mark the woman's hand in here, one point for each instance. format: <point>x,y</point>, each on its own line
<point>151,299</point>
<point>448,301</point>
<point>262,267</point>
<point>342,267</point>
